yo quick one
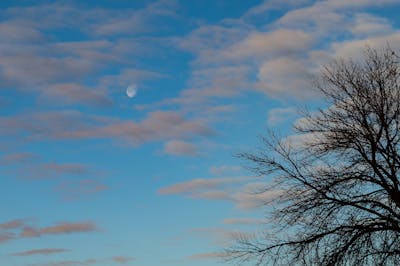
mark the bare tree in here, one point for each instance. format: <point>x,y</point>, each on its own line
<point>341,204</point>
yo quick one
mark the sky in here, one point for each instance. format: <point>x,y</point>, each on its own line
<point>91,176</point>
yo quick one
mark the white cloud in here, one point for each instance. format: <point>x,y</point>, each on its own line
<point>284,77</point>
<point>366,25</point>
<point>269,44</point>
<point>279,115</point>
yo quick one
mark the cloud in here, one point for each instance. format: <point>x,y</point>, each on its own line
<point>59,71</point>
<point>196,185</point>
<point>254,195</point>
<point>17,229</point>
<point>13,224</point>
<point>122,259</point>
<point>273,43</point>
<point>367,25</point>
<point>212,194</point>
<point>23,69</point>
<point>73,189</point>
<point>208,84</point>
<point>59,229</point>
<point>206,256</point>
<point>207,40</point>
<point>14,33</point>
<point>243,193</point>
<point>44,251</point>
<point>6,236</point>
<point>116,259</point>
<point>220,236</point>
<point>268,5</point>
<point>283,53</point>
<point>130,22</point>
<point>128,76</point>
<point>52,170</point>
<point>354,48</point>
<point>177,147</point>
<point>57,168</point>
<point>273,78</point>
<point>158,125</point>
<point>28,166</point>
<point>68,228</point>
<point>279,115</point>
<point>70,93</point>
<point>225,169</point>
<point>243,221</point>
<point>16,158</point>
<point>68,263</point>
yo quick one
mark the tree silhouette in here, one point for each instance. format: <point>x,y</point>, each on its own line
<point>341,200</point>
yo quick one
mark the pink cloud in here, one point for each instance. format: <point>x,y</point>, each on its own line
<point>44,251</point>
<point>21,157</point>
<point>244,196</point>
<point>243,221</point>
<point>122,259</point>
<point>70,93</point>
<point>177,147</point>
<point>206,256</point>
<point>6,236</point>
<point>68,263</point>
<point>225,169</point>
<point>67,228</point>
<point>159,125</point>
<point>36,171</point>
<point>13,224</point>
<point>29,231</point>
<point>197,185</point>
<point>262,44</point>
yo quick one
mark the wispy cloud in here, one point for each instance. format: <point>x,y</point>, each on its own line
<point>122,259</point>
<point>57,70</point>
<point>68,263</point>
<point>206,256</point>
<point>225,169</point>
<point>6,236</point>
<point>243,221</point>
<point>74,189</point>
<point>54,169</point>
<point>16,158</point>
<point>196,185</point>
<point>218,235</point>
<point>12,224</point>
<point>267,44</point>
<point>158,125</point>
<point>20,228</point>
<point>241,191</point>
<point>59,229</point>
<point>177,147</point>
<point>279,115</point>
<point>70,93</point>
<point>113,260</point>
<point>44,251</point>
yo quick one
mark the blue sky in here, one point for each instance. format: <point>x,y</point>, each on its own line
<point>91,176</point>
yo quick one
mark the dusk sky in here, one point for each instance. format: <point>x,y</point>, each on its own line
<point>93,174</point>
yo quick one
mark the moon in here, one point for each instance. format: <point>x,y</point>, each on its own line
<point>131,91</point>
